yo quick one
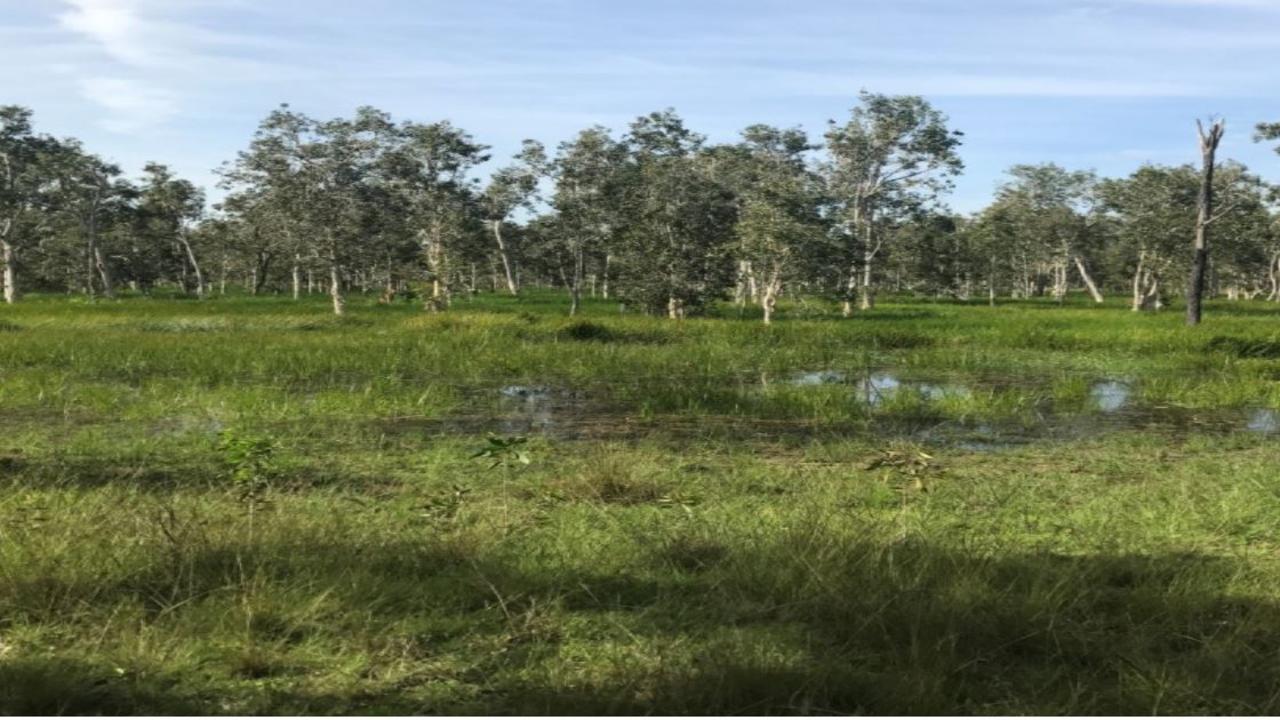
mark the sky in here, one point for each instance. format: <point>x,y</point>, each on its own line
<point>1089,84</point>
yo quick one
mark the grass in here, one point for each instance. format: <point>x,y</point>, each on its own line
<point>696,531</point>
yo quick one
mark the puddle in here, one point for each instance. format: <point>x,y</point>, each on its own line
<point>877,387</point>
<point>526,392</point>
<point>1264,422</point>
<point>816,377</point>
<point>600,413</point>
<point>1110,396</point>
<point>526,408</point>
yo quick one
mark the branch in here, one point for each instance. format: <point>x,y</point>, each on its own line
<point>1223,212</point>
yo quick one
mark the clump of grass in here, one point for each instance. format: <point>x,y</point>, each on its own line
<point>613,480</point>
<point>693,553</point>
<point>584,331</point>
<point>1245,347</point>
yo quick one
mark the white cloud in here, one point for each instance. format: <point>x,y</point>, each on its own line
<point>131,106</point>
<point>115,25</point>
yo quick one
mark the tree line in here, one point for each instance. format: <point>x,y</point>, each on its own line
<point>656,217</point>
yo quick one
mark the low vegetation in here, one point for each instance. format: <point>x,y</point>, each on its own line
<point>248,505</point>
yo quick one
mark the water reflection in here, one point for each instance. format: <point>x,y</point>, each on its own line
<point>1110,395</point>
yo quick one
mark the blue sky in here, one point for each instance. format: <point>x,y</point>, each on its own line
<point>1103,84</point>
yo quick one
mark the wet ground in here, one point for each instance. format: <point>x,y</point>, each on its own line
<point>1111,406</point>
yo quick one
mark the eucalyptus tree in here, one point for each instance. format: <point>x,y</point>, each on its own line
<point>934,252</point>
<point>169,207</point>
<point>92,194</point>
<point>590,173</point>
<point>893,152</point>
<point>1243,232</point>
<point>510,188</point>
<point>1053,210</point>
<point>779,199</point>
<point>1154,210</point>
<point>314,177</point>
<point>25,164</point>
<point>428,166</point>
<point>273,185</point>
<point>993,238</point>
<point>1268,131</point>
<point>676,244</point>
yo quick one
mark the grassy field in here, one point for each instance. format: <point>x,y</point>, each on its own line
<point>245,505</point>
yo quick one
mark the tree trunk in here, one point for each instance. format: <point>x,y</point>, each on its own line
<point>575,287</point>
<point>9,258</point>
<point>1204,215</point>
<point>104,272</point>
<point>1088,281</point>
<point>846,307</point>
<point>769,299</point>
<point>506,261</point>
<point>866,296</point>
<point>297,277</point>
<point>195,266</point>
<point>335,283</point>
<point>604,280</point>
<point>1137,283</point>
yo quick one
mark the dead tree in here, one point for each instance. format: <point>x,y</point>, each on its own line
<point>1204,217</point>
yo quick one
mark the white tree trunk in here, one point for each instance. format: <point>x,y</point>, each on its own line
<point>195,266</point>
<point>506,262</point>
<point>1088,281</point>
<point>335,283</point>
<point>9,258</point>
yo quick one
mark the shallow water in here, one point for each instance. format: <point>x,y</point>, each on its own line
<point>1110,395</point>
<point>591,413</point>
<point>1266,422</point>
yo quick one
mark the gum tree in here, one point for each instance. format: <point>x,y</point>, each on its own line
<point>679,219</point>
<point>590,179</point>
<point>893,152</point>
<point>24,166</point>
<point>428,168</point>
<point>1052,209</point>
<point>510,188</point>
<point>778,208</point>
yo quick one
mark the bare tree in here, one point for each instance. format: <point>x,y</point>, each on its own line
<point>1204,217</point>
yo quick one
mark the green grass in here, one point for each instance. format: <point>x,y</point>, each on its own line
<point>695,531</point>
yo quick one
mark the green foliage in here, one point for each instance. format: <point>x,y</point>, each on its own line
<point>250,462</point>
<point>505,452</point>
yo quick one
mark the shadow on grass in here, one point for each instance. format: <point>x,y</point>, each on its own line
<point>806,625</point>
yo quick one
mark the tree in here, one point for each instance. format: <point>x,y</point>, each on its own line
<point>1268,131</point>
<point>428,167</point>
<point>24,167</point>
<point>679,219</point>
<point>512,187</point>
<point>778,207</point>
<point>1051,209</point>
<point>1154,210</point>
<point>318,178</point>
<point>1209,141</point>
<point>169,208</point>
<point>894,152</point>
<point>590,180</point>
